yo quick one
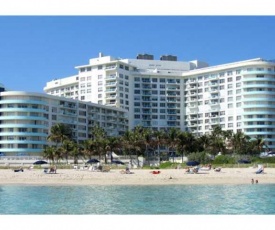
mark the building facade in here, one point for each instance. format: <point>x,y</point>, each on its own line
<point>26,120</point>
<point>166,93</point>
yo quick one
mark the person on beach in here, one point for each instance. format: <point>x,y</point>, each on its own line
<point>252,181</point>
<point>256,181</point>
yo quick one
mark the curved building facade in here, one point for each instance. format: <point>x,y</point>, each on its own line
<point>238,96</point>
<point>26,119</point>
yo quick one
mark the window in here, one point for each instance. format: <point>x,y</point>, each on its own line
<point>230,106</point>
<point>229,79</point>
<point>99,67</point>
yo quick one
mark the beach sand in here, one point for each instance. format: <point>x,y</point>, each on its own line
<point>139,177</point>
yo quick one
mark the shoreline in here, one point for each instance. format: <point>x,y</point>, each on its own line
<point>71,177</point>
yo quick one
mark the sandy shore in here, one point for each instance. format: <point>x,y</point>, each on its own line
<point>139,177</point>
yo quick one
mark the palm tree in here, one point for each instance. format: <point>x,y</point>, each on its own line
<point>66,148</point>
<point>76,152</point>
<point>158,140</point>
<point>185,142</point>
<point>59,133</point>
<point>171,139</point>
<point>258,145</point>
<point>239,143</point>
<point>113,144</point>
<point>52,153</point>
<point>88,148</point>
<point>217,140</point>
<point>99,137</point>
<point>203,142</point>
<point>146,136</point>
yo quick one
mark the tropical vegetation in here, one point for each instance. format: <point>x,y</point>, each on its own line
<point>153,145</point>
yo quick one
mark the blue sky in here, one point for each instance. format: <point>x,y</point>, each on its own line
<point>37,49</point>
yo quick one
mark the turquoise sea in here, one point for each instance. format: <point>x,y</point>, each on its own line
<point>247,199</point>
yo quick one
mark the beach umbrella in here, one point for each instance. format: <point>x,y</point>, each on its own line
<point>118,162</point>
<point>92,161</point>
<point>192,163</point>
<point>40,162</point>
<point>244,162</point>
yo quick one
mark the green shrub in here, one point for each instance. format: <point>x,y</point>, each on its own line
<point>202,157</point>
<point>224,159</point>
<point>168,165</point>
<point>263,160</point>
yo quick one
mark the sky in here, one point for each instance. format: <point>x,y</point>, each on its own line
<point>36,48</point>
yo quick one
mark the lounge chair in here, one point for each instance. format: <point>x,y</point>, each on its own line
<point>260,169</point>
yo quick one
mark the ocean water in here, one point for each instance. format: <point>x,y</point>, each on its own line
<point>247,199</point>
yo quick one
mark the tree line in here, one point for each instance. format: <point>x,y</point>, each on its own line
<point>149,143</point>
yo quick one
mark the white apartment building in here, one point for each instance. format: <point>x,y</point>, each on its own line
<point>26,120</point>
<point>149,89</point>
<point>192,96</point>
